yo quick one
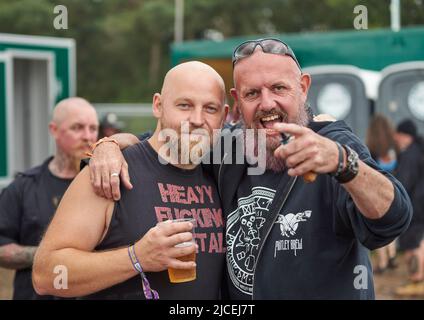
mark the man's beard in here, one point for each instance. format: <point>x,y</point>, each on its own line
<point>273,163</point>
<point>187,153</point>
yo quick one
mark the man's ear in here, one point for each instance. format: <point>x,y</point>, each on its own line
<point>236,105</point>
<point>53,129</point>
<point>157,105</point>
<point>233,92</point>
<point>305,84</point>
<point>226,108</point>
<point>235,112</point>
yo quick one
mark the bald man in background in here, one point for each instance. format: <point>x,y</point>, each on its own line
<point>28,204</point>
<point>92,236</point>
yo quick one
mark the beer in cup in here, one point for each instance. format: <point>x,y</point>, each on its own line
<point>184,275</point>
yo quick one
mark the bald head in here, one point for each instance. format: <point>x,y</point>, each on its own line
<point>74,127</point>
<point>68,106</point>
<point>192,94</point>
<point>191,71</point>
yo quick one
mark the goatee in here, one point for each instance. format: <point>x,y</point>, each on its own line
<point>273,163</point>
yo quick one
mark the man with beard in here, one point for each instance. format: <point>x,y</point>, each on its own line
<point>30,201</point>
<point>286,238</point>
<point>315,240</point>
<point>103,245</point>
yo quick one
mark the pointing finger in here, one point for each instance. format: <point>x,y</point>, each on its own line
<point>290,128</point>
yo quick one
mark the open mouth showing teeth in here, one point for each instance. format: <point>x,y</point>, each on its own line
<point>268,121</point>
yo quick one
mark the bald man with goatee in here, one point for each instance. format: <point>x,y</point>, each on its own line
<point>104,246</point>
<point>30,201</point>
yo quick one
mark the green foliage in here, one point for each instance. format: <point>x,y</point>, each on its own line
<point>25,16</point>
<point>123,45</point>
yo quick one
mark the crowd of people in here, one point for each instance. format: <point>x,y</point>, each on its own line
<point>266,235</point>
<point>400,151</point>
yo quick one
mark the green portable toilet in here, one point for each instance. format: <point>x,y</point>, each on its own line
<point>35,73</point>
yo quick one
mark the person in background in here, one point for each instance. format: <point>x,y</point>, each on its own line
<point>28,204</point>
<point>110,125</point>
<point>410,171</point>
<point>381,143</point>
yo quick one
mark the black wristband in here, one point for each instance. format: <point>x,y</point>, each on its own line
<point>341,161</point>
<point>352,168</point>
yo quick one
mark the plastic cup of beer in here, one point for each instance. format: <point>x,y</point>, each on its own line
<point>184,275</point>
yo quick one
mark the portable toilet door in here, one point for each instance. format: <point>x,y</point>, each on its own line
<point>37,72</point>
<point>401,93</point>
<point>5,119</point>
<point>26,106</point>
<point>344,92</point>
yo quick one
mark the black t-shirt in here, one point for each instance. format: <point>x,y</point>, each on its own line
<point>163,192</point>
<point>254,198</point>
<point>27,206</point>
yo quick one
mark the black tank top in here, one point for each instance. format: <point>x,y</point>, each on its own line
<point>162,192</point>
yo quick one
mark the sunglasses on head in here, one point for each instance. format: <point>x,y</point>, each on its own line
<point>268,45</point>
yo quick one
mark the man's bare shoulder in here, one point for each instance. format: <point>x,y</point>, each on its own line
<point>82,189</point>
<point>81,217</point>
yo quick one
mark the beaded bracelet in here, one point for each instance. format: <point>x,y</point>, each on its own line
<point>149,293</point>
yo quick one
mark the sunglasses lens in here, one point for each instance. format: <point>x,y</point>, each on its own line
<point>245,50</point>
<point>268,46</point>
<point>273,46</point>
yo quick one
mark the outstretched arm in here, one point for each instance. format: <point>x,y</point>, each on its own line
<point>371,191</point>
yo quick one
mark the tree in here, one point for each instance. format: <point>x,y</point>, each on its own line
<point>123,46</point>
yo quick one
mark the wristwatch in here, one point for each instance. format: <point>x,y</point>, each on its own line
<point>352,168</point>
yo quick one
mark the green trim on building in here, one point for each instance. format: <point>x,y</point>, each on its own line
<point>61,63</point>
<point>366,49</point>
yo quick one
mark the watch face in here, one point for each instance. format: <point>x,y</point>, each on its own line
<point>416,100</point>
<point>334,99</point>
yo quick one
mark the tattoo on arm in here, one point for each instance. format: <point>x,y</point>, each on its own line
<point>14,256</point>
